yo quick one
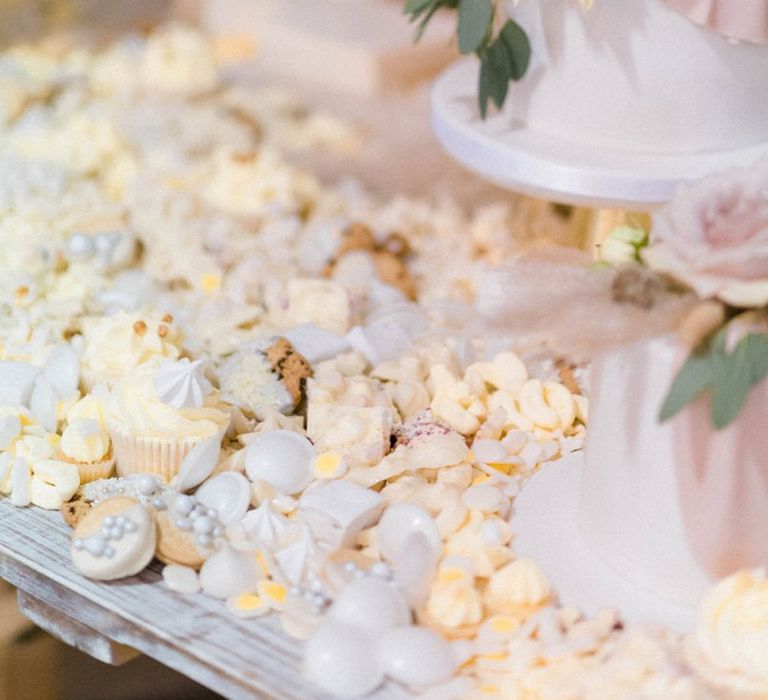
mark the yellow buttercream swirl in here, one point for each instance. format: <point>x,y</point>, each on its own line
<point>135,407</point>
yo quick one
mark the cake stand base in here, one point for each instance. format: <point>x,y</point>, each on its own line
<point>546,530</point>
<point>569,172</point>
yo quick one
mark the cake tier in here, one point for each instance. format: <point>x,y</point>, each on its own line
<point>635,75</point>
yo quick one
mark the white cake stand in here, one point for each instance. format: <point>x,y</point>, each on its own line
<point>546,530</point>
<point>562,171</point>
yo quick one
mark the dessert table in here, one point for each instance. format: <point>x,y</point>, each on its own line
<point>115,622</point>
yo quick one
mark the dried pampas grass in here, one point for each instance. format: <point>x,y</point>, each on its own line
<point>559,301</point>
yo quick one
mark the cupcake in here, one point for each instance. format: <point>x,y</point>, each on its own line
<point>85,441</point>
<point>261,378</point>
<point>115,345</point>
<point>158,412</point>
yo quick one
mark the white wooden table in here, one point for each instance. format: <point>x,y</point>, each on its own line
<point>115,622</point>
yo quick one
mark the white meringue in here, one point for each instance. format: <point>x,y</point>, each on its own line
<point>182,384</point>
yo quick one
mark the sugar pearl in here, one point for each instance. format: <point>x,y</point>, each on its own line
<point>146,484</point>
<point>203,525</point>
<point>184,505</point>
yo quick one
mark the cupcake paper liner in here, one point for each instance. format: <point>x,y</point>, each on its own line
<point>148,455</point>
<point>92,471</point>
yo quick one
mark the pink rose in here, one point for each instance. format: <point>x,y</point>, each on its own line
<point>745,20</point>
<point>713,237</point>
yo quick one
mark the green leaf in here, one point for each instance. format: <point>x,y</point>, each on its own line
<point>737,373</point>
<point>416,7</point>
<point>475,18</point>
<point>497,56</point>
<point>696,375</point>
<point>518,48</point>
<point>485,84</point>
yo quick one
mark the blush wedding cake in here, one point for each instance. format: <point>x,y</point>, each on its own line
<point>644,75</point>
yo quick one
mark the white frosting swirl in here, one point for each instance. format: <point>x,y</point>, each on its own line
<point>731,638</point>
<point>134,406</point>
<point>114,345</point>
<point>182,384</point>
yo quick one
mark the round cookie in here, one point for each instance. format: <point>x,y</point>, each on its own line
<point>115,539</point>
<point>74,511</point>
<point>174,545</point>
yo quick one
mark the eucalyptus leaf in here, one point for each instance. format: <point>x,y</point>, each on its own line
<point>416,7</point>
<point>735,377</point>
<point>498,57</point>
<point>696,375</point>
<point>475,19</point>
<point>518,48</point>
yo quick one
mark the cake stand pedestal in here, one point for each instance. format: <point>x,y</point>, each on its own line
<point>569,172</point>
<point>546,529</point>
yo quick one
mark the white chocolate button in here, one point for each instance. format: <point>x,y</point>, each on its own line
<point>182,579</point>
<point>282,459</point>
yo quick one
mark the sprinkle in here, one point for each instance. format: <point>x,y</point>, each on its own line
<point>162,330</point>
<point>140,328</point>
<point>167,318</point>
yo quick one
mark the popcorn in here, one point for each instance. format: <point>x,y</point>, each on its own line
<point>454,602</point>
<point>321,302</point>
<point>520,588</point>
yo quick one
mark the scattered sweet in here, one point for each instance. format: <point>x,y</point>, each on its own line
<point>114,540</point>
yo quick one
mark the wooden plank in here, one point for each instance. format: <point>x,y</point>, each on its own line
<point>191,634</point>
<point>74,633</point>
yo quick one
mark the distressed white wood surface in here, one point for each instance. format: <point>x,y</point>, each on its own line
<point>191,634</point>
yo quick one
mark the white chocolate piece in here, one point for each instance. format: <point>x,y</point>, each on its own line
<point>17,379</point>
<point>42,404</point>
<point>416,656</point>
<point>338,510</point>
<point>181,579</point>
<point>62,370</point>
<point>341,660</point>
<point>316,344</point>
<point>483,497</point>
<point>489,451</point>
<point>360,433</point>
<point>21,480</point>
<point>322,302</point>
<point>10,429</point>
<point>372,604</point>
<point>53,483</point>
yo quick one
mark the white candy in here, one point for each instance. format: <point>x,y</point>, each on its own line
<point>342,660</point>
<point>398,523</point>
<point>514,441</point>
<point>370,603</point>
<point>338,510</point>
<point>282,459</point>
<point>21,479</point>
<point>16,382</point>
<point>53,483</point>
<point>414,567</point>
<point>227,573</point>
<point>10,429</point>
<point>199,463</point>
<point>228,494</point>
<point>182,579</point>
<point>315,343</point>
<point>560,400</point>
<point>533,405</point>
<point>416,656</point>
<point>42,404</point>
<point>62,370</point>
<point>482,497</point>
<point>489,451</point>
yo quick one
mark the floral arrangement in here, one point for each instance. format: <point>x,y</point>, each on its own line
<point>713,240</point>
